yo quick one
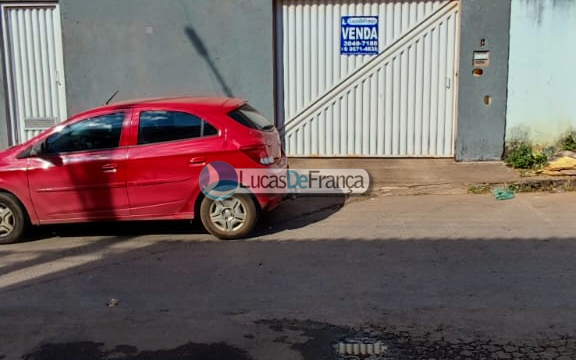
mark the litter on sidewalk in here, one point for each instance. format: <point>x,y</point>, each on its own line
<point>503,194</point>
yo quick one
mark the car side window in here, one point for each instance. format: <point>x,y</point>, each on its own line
<point>97,133</point>
<point>161,126</point>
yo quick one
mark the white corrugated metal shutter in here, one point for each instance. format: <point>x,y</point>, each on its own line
<point>399,103</point>
<point>35,70</point>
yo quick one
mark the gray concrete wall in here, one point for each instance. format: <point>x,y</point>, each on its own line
<point>147,48</point>
<point>481,128</point>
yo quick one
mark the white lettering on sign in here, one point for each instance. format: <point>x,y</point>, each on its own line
<point>362,21</point>
<point>364,33</point>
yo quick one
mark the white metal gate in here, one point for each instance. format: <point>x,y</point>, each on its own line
<point>399,103</point>
<point>34,68</point>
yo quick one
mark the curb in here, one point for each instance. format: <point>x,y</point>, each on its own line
<point>420,189</point>
<point>554,185</point>
<point>543,184</point>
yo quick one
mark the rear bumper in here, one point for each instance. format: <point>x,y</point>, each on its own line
<point>269,202</point>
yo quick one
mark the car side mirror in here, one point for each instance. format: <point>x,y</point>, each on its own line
<point>38,149</point>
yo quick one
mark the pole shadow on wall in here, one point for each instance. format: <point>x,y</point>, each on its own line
<point>201,49</point>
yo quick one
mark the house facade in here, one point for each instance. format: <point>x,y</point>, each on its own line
<point>346,78</point>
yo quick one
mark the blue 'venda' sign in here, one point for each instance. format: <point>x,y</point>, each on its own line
<point>359,35</point>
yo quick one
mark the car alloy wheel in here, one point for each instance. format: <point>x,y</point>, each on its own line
<point>13,219</point>
<point>228,215</point>
<point>231,218</point>
<point>7,221</point>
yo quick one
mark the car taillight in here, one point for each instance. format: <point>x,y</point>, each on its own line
<point>258,154</point>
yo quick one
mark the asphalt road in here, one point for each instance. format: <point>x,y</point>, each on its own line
<point>427,277</point>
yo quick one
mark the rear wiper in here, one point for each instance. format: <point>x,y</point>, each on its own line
<point>268,127</point>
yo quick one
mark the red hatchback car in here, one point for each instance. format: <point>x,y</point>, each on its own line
<point>139,160</point>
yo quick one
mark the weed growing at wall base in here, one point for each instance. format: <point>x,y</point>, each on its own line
<point>568,142</point>
<point>520,155</point>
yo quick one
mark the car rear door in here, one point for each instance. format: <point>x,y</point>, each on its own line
<point>80,173</point>
<point>164,166</point>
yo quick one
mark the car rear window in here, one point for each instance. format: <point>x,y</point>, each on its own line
<point>250,117</point>
<point>161,126</point>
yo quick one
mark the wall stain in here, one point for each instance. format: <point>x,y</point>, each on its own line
<point>538,8</point>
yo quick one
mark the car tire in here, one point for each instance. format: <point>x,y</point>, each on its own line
<point>13,220</point>
<point>231,218</point>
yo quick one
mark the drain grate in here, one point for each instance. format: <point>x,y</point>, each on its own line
<point>360,349</point>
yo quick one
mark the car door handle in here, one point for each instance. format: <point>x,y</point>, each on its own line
<point>198,160</point>
<point>109,168</point>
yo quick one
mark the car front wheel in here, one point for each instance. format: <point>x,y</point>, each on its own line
<point>231,218</point>
<point>12,219</point>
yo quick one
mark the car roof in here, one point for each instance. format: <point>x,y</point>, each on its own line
<point>222,103</point>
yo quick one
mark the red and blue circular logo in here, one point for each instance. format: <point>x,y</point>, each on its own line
<point>218,180</point>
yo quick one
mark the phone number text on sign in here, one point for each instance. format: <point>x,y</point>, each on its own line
<point>359,35</point>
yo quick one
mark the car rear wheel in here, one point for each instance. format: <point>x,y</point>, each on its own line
<point>12,219</point>
<point>231,218</point>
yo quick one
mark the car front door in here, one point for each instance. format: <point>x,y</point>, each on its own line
<point>79,172</point>
<point>165,165</point>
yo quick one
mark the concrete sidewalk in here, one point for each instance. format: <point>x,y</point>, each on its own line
<point>428,175</point>
<point>439,176</point>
